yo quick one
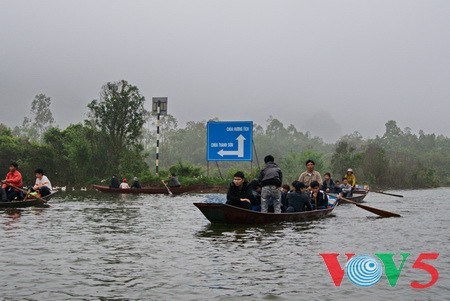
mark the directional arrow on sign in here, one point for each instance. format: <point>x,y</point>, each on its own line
<point>239,152</point>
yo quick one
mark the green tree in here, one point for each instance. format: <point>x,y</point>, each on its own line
<point>120,114</point>
<point>43,117</point>
<point>41,120</point>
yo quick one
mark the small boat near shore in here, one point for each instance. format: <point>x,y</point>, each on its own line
<point>151,190</point>
<point>29,202</point>
<point>227,214</point>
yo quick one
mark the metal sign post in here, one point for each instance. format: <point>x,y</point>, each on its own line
<point>159,106</point>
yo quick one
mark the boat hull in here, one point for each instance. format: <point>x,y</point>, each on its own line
<point>153,190</point>
<point>357,198</point>
<point>27,202</point>
<point>227,214</point>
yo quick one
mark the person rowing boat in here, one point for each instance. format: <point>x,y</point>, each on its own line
<point>13,178</point>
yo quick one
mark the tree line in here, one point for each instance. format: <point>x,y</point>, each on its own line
<point>119,137</point>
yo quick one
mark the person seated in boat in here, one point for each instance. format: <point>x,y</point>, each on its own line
<point>124,184</point>
<point>3,196</point>
<point>42,184</point>
<point>346,188</point>
<point>350,177</point>
<point>256,191</point>
<point>114,182</point>
<point>239,192</point>
<point>173,181</point>
<point>284,192</point>
<point>319,199</point>
<point>337,188</point>
<point>298,199</point>
<point>136,183</point>
<point>14,178</point>
<point>328,183</point>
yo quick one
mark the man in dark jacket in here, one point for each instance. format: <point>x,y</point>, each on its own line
<point>298,199</point>
<point>114,182</point>
<point>319,199</point>
<point>239,192</point>
<point>270,179</point>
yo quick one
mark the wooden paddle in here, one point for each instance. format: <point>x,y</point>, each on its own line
<point>27,192</point>
<point>377,211</point>
<point>168,190</point>
<point>386,193</point>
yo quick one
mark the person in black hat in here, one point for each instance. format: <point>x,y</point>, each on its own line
<point>298,200</point>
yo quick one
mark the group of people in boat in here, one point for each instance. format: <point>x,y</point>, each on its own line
<point>124,184</point>
<point>12,186</point>
<point>172,182</point>
<point>268,194</point>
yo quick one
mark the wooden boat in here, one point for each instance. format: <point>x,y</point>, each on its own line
<point>152,190</point>
<point>227,214</point>
<point>357,197</point>
<point>29,202</point>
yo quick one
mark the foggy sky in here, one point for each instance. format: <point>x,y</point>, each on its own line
<point>361,62</point>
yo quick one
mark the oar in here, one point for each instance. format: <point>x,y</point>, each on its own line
<point>168,190</point>
<point>381,192</point>
<point>377,211</point>
<point>27,192</point>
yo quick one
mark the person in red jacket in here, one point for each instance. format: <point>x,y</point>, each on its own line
<point>13,177</point>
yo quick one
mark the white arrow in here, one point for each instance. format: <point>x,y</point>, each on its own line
<point>239,152</point>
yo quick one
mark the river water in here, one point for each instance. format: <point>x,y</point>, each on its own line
<point>94,246</point>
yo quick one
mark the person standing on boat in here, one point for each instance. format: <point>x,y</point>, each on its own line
<point>298,200</point>
<point>42,184</point>
<point>310,174</point>
<point>114,182</point>
<point>270,179</point>
<point>136,183</point>
<point>350,177</point>
<point>124,184</point>
<point>239,192</point>
<point>13,177</point>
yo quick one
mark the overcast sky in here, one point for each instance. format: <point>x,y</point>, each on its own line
<point>361,62</point>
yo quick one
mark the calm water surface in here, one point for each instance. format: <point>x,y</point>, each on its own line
<point>94,246</point>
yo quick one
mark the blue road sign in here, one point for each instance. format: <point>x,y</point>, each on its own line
<point>229,141</point>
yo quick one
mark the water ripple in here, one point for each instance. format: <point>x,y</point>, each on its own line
<point>125,247</point>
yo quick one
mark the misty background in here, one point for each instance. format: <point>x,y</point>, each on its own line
<point>328,67</point>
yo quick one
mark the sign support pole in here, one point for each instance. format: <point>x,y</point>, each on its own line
<point>157,137</point>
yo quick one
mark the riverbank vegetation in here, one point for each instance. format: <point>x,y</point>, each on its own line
<point>119,137</point>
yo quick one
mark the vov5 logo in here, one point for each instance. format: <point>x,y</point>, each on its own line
<point>365,270</point>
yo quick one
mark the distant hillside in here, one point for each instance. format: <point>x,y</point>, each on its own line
<point>323,125</point>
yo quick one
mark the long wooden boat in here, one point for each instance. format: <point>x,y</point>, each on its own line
<point>357,197</point>
<point>152,190</point>
<point>29,202</point>
<point>227,214</point>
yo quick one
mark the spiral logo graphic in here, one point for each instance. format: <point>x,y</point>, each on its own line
<point>364,270</point>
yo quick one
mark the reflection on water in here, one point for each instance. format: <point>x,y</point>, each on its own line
<point>90,245</point>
